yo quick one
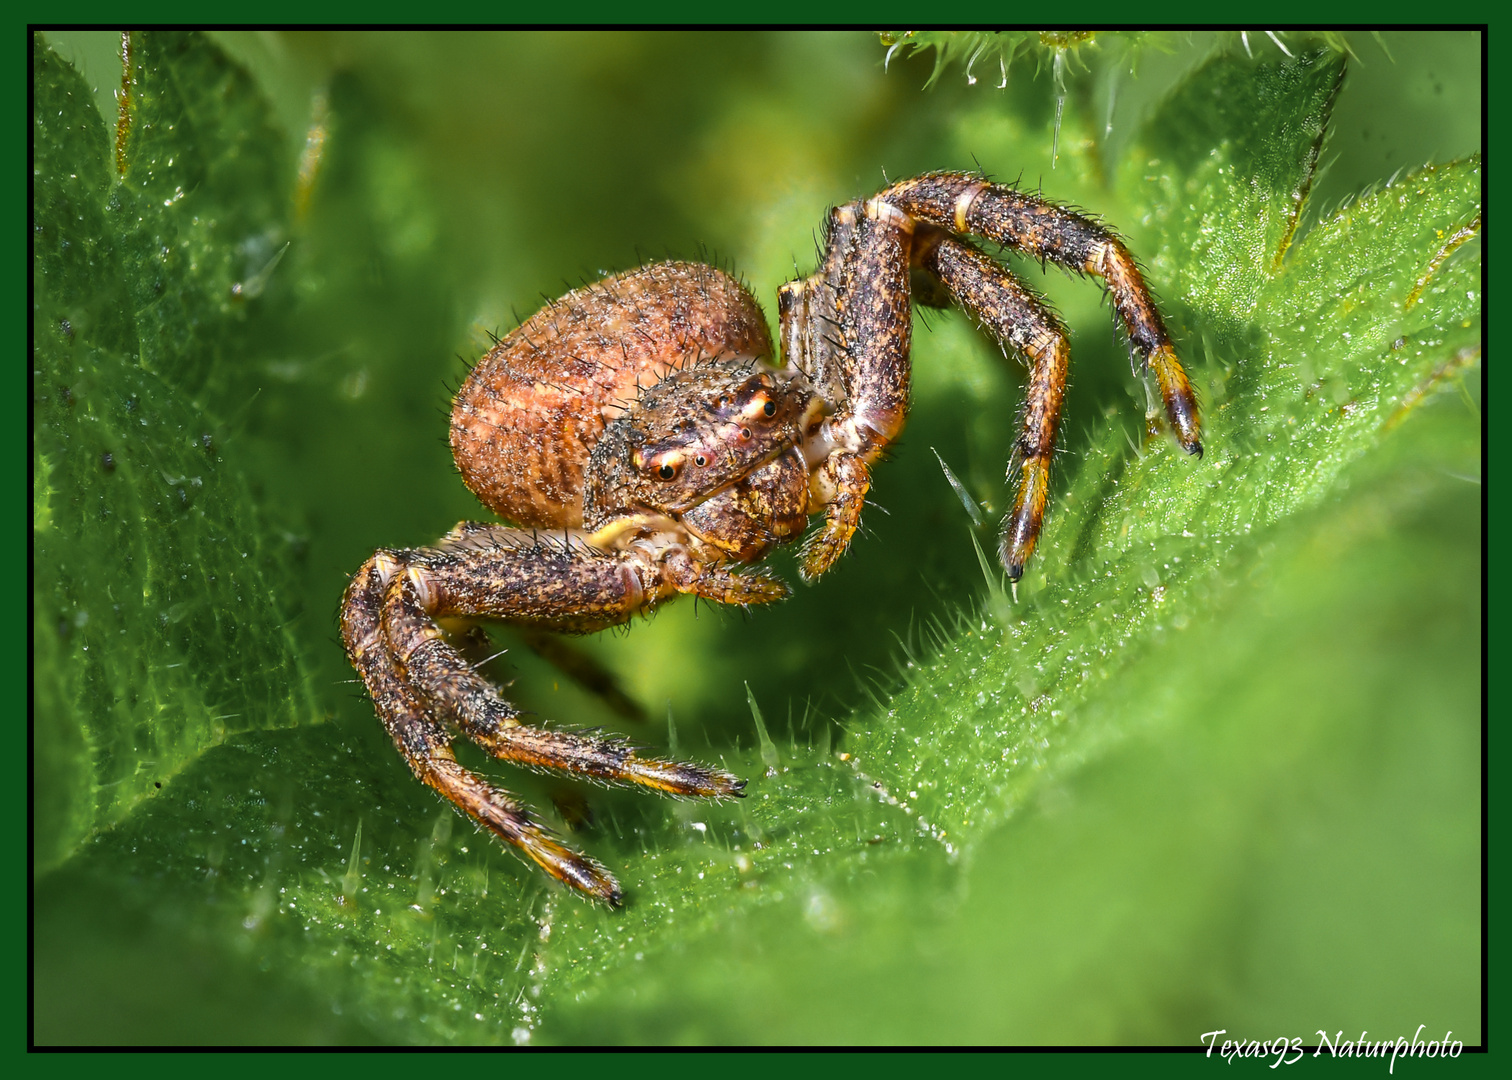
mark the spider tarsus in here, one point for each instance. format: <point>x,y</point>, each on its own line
<point>684,779</point>
<point>585,875</point>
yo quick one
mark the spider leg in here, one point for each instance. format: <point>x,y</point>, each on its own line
<point>861,364</point>
<point>508,581</point>
<point>576,664</point>
<point>963,203</point>
<point>717,582</point>
<point>1021,320</point>
<point>811,335</point>
<point>426,747</point>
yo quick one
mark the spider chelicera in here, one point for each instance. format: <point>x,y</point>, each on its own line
<point>642,444</point>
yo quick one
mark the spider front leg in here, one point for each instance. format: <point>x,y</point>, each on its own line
<point>1019,319</point>
<point>419,681</point>
<point>963,203</point>
<point>848,328</point>
<point>426,746</point>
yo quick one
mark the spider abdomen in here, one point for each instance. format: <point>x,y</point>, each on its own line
<point>530,412</point>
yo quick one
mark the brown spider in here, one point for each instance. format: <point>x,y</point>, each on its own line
<point>637,436</point>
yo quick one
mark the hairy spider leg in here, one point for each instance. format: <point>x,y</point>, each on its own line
<point>427,748</point>
<point>963,203</point>
<point>582,667</point>
<point>506,584</point>
<point>1018,318</point>
<point>865,282</point>
<point>810,332</point>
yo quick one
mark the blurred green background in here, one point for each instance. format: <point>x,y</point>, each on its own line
<point>1218,768</point>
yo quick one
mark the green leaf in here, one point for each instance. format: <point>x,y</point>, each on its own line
<point>1176,785</point>
<point>157,627</point>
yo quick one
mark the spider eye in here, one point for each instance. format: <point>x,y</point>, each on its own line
<point>666,465</point>
<point>759,404</point>
<point>700,461</point>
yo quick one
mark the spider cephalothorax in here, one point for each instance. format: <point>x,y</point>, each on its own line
<point>643,444</point>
